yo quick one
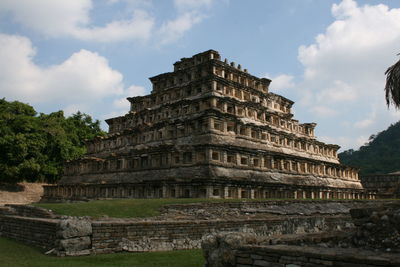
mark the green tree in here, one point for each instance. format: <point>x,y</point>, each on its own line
<point>33,147</point>
<point>65,139</point>
<point>20,142</point>
<point>83,127</point>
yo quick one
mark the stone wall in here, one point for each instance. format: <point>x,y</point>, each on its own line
<point>245,250</point>
<point>25,211</point>
<point>28,224</point>
<point>176,228</point>
<point>114,236</point>
<point>36,231</point>
<point>64,236</point>
<point>283,255</point>
<point>279,207</point>
<point>377,228</point>
<point>184,226</point>
<point>374,241</point>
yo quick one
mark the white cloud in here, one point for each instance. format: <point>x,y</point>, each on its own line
<point>138,27</point>
<point>367,121</point>
<point>394,114</point>
<point>323,111</point>
<point>73,108</point>
<point>122,104</point>
<point>79,83</point>
<point>173,30</point>
<point>184,5</point>
<point>339,92</point>
<point>364,123</point>
<point>345,141</point>
<point>361,140</point>
<point>131,3</point>
<point>355,48</point>
<point>190,13</point>
<point>281,82</point>
<point>344,72</point>
<point>50,17</point>
<point>72,19</point>
<point>84,74</point>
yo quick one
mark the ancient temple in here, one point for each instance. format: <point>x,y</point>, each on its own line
<point>209,129</point>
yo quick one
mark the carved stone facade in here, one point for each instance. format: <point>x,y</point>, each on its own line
<point>208,129</point>
<point>383,185</point>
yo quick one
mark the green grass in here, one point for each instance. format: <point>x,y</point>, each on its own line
<point>16,254</point>
<point>121,208</point>
<point>128,208</point>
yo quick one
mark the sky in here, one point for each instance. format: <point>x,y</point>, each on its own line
<point>328,56</point>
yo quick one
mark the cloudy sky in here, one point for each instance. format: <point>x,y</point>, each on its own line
<point>328,56</point>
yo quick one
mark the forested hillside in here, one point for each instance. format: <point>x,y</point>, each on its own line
<point>34,146</point>
<point>380,155</point>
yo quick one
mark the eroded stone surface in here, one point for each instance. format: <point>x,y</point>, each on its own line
<point>74,227</point>
<point>374,241</point>
<point>219,249</point>
<point>377,228</point>
<point>75,244</point>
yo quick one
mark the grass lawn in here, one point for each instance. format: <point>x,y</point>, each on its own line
<point>126,208</point>
<point>15,254</point>
<point>121,208</point>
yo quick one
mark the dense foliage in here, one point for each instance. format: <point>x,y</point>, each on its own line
<point>34,146</point>
<point>379,156</point>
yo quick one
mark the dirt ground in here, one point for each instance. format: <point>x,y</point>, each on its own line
<point>22,193</point>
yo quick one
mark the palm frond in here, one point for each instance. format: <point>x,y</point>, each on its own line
<point>392,87</point>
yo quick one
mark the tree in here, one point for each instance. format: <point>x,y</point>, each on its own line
<point>65,139</point>
<point>392,87</point>
<point>20,142</point>
<point>34,147</point>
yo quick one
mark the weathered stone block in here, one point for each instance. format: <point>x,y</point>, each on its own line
<point>322,262</point>
<point>74,227</point>
<point>261,263</point>
<point>244,260</point>
<point>74,244</point>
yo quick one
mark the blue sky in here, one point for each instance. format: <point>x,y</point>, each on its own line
<point>327,56</point>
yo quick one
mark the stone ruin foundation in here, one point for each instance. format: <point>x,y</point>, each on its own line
<point>242,234</point>
<point>179,226</point>
<point>209,129</point>
<point>374,241</point>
